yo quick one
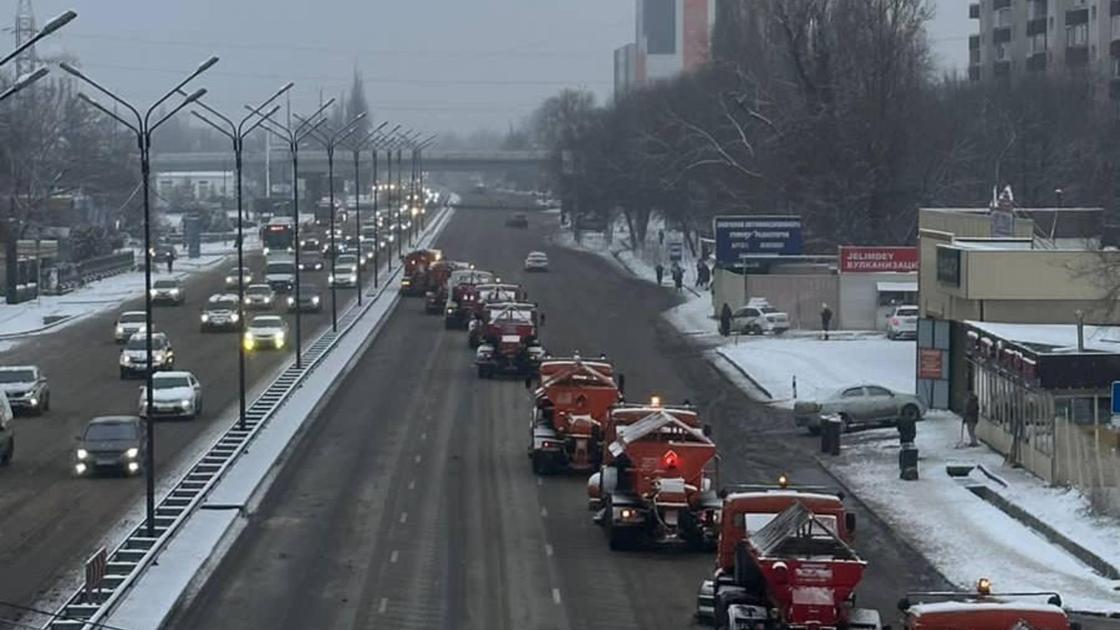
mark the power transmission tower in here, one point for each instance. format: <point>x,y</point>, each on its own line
<point>25,30</point>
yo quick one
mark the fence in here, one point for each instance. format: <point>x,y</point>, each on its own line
<point>1088,457</point>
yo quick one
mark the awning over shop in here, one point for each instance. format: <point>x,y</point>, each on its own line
<point>896,287</point>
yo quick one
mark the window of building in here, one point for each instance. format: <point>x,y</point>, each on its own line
<point>1003,17</point>
<point>974,56</point>
<point>1077,35</point>
<point>1001,52</point>
<point>1093,52</point>
<point>1038,43</point>
<point>1115,26</point>
<point>1093,12</point>
<point>1035,10</point>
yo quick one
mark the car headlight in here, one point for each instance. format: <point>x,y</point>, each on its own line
<point>330,278</point>
<point>120,329</point>
<point>80,468</point>
<point>132,453</point>
<point>34,401</point>
<point>315,300</point>
<point>186,403</point>
<point>152,293</point>
<point>125,359</point>
<point>234,317</point>
<point>82,453</point>
<point>230,279</point>
<point>205,318</point>
<point>291,301</point>
<point>174,291</point>
<point>249,342</point>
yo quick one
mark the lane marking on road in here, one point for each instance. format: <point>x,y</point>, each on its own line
<point>423,436</point>
<point>540,482</point>
<point>544,512</point>
<point>417,459</point>
<point>412,485</point>
<point>556,596</point>
<point>393,556</point>
<point>548,550</point>
<point>404,517</point>
<point>383,605</point>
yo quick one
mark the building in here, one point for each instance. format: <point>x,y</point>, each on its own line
<point>203,185</point>
<point>671,36</point>
<point>1034,37</point>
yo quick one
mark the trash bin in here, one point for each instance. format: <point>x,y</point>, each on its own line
<point>832,427</point>
<point>907,430</point>
<point>908,462</point>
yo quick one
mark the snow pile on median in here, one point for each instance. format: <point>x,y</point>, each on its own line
<point>822,367</point>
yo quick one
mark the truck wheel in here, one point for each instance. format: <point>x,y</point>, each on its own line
<point>46,402</point>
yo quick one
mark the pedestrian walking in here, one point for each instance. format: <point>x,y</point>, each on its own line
<point>725,320</point>
<point>170,259</point>
<point>705,274</point>
<point>678,277</point>
<point>826,319</point>
<point>971,418</point>
<point>660,271</point>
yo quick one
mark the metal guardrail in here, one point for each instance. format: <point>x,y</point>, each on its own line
<point>105,266</point>
<point>128,560</point>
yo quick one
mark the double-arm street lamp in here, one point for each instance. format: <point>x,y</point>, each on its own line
<point>293,136</point>
<point>356,146</point>
<point>420,171</point>
<point>416,189</point>
<point>143,126</point>
<point>25,80</point>
<point>377,144</point>
<point>237,132</point>
<point>330,139</point>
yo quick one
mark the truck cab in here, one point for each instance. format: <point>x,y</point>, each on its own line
<point>509,342</point>
<point>984,610</point>
<point>569,409</point>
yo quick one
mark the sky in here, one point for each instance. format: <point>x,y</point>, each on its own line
<point>434,65</point>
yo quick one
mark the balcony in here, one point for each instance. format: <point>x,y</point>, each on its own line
<point>974,42</point>
<point>1114,48</point>
<point>1114,89</point>
<point>974,73</point>
<point>1001,35</point>
<point>1036,62</point>
<point>1114,9</point>
<point>1077,16</point>
<point>1000,4</point>
<point>1077,55</point>
<point>1001,69</point>
<point>1036,26</point>
<point>974,11</point>
<point>974,57</point>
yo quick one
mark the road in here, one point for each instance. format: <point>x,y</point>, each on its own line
<point>50,520</point>
<point>410,503</point>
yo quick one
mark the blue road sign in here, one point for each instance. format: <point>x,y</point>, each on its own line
<point>745,236</point>
<point>1116,398</point>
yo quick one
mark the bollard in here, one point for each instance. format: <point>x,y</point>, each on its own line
<point>831,429</point>
<point>908,462</point>
<point>795,387</point>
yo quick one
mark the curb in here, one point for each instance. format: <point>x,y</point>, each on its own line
<point>35,331</point>
<point>746,375</point>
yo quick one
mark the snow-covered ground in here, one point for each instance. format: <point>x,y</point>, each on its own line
<point>52,312</point>
<point>961,534</point>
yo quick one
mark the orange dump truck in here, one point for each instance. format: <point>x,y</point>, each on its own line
<point>569,409</point>
<point>658,478</point>
<point>984,610</point>
<point>417,265</point>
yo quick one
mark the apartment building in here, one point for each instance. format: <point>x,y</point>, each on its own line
<point>671,36</point>
<point>1024,37</point>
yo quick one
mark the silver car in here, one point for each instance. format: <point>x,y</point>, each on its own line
<point>129,323</point>
<point>859,405</point>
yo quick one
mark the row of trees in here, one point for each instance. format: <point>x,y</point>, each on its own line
<point>832,110</point>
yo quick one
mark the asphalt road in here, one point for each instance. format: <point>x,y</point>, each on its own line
<point>49,520</point>
<point>410,503</point>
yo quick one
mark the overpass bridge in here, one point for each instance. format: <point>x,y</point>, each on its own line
<point>315,161</point>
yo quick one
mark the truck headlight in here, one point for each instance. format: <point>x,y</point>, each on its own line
<point>82,453</point>
<point>205,318</point>
<point>132,453</point>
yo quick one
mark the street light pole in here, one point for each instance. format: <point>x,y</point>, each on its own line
<point>143,127</point>
<point>356,147</point>
<point>237,134</point>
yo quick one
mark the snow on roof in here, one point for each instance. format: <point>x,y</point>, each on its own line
<point>1054,338</point>
<point>986,605</point>
<point>898,287</point>
<point>994,245</point>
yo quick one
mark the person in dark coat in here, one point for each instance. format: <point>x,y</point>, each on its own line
<point>826,319</point>
<point>725,320</point>
<point>170,259</point>
<point>660,271</point>
<point>971,417</point>
<point>678,277</point>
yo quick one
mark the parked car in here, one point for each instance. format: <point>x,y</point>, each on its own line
<point>129,323</point>
<point>26,389</point>
<point>7,432</point>
<point>517,220</point>
<point>111,443</point>
<point>903,322</point>
<point>759,317</point>
<point>221,313</point>
<point>259,297</point>
<point>174,395</point>
<point>168,291</point>
<point>858,405</point>
<point>266,331</point>
<point>134,356</point>
<point>536,261</point>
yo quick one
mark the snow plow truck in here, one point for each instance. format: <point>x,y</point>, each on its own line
<point>744,512</point>
<point>509,342</point>
<point>490,297</point>
<point>462,293</point>
<point>417,266</point>
<point>657,482</point>
<point>435,296</point>
<point>984,610</point>
<point>569,409</point>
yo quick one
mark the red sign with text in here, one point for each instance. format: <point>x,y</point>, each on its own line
<point>930,363</point>
<point>859,259</point>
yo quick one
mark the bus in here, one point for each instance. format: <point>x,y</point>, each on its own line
<point>278,235</point>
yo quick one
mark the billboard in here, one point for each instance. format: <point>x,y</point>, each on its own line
<point>744,236</point>
<point>861,259</point>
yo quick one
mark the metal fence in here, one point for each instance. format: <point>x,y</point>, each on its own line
<point>1088,458</point>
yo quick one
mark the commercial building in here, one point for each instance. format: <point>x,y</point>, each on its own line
<point>671,36</point>
<point>1019,38</point>
<point>625,69</point>
<point>202,185</point>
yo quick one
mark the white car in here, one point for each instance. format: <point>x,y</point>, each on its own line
<point>134,356</point>
<point>168,291</point>
<point>536,261</point>
<point>280,274</point>
<point>759,317</point>
<point>232,277</point>
<point>129,323</point>
<point>347,260</point>
<point>903,322</point>
<point>266,331</point>
<point>344,275</point>
<point>174,394</point>
<point>26,388</point>
<point>259,297</point>
<point>221,313</point>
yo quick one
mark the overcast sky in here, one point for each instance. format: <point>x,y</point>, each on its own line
<point>432,64</point>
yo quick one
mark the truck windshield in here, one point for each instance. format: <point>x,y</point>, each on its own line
<point>278,268</point>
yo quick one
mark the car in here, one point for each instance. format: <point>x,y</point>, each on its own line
<point>168,291</point>
<point>134,356</point>
<point>245,274</point>
<point>111,444</point>
<point>311,261</point>
<point>128,324</point>
<point>259,297</point>
<point>344,276</point>
<point>280,273</point>
<point>903,322</point>
<point>350,260</point>
<point>310,245</point>
<point>7,432</point>
<point>759,317</point>
<point>517,220</point>
<point>221,313</point>
<point>858,405</point>
<point>266,332</point>
<point>309,301</point>
<point>536,261</point>
<point>174,395</point>
<point>26,388</point>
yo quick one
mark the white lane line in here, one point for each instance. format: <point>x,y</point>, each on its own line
<point>548,550</point>
<point>412,485</point>
<point>404,517</point>
<point>544,512</point>
<point>556,596</point>
<point>540,482</point>
<point>423,436</point>
<point>417,459</point>
<point>396,554</point>
<point>383,605</point>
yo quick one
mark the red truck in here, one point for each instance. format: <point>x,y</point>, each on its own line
<point>417,266</point>
<point>462,293</point>
<point>510,343</point>
<point>569,408</point>
<point>658,478</point>
<point>490,297</point>
<point>435,296</point>
<point>984,610</point>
